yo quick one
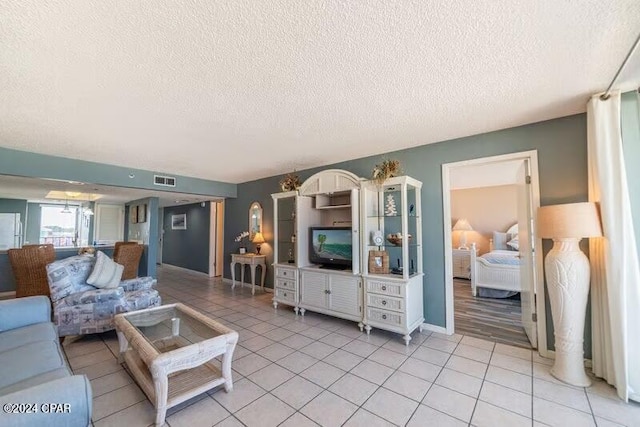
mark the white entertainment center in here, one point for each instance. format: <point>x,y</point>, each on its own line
<point>374,279</point>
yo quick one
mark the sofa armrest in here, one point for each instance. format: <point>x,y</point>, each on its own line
<point>138,284</point>
<point>62,402</point>
<point>19,312</point>
<point>95,296</point>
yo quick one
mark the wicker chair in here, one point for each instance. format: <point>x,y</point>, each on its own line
<point>28,265</point>
<point>128,254</point>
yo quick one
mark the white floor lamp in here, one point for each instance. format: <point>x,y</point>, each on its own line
<point>567,271</point>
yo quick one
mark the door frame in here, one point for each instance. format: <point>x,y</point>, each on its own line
<point>532,157</point>
<point>216,241</point>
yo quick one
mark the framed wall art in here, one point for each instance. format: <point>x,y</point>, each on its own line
<point>142,213</point>
<point>179,222</point>
<point>133,214</point>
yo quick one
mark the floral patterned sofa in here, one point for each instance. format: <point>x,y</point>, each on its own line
<point>79,308</point>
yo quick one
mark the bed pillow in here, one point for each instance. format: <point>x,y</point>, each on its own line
<point>514,244</point>
<point>106,274</point>
<point>499,241</point>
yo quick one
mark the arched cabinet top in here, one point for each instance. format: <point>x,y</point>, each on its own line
<point>329,181</point>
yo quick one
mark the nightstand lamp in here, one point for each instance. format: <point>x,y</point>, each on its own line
<point>258,239</point>
<point>567,271</point>
<point>464,226</point>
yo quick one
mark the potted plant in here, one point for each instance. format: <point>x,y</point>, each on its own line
<point>239,238</point>
<point>385,170</point>
<point>290,182</point>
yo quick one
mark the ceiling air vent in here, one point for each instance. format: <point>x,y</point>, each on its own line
<point>165,181</point>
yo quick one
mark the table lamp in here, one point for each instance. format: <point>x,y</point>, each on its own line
<point>567,272</point>
<point>464,226</point>
<point>258,239</point>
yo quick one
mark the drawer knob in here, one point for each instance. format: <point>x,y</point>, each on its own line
<point>384,288</point>
<point>384,302</point>
<point>384,316</point>
<point>285,294</point>
<point>284,273</point>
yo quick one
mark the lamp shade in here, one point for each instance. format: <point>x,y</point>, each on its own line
<point>462,225</point>
<point>258,238</point>
<point>572,220</point>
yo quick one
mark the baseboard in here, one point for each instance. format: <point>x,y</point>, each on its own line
<point>7,294</point>
<point>434,328</point>
<point>186,270</point>
<point>248,285</point>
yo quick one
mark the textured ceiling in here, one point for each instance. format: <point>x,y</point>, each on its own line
<point>237,90</point>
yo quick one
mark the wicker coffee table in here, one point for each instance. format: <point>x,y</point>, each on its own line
<point>171,350</point>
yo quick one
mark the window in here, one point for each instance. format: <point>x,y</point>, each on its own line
<point>58,227</point>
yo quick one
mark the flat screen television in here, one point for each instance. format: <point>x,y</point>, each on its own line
<point>331,247</point>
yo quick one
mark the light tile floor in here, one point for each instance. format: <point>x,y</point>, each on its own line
<point>317,370</point>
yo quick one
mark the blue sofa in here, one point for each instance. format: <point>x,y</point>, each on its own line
<point>34,371</point>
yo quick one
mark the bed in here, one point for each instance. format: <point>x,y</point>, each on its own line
<point>498,269</point>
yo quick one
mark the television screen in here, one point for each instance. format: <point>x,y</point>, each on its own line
<point>330,246</point>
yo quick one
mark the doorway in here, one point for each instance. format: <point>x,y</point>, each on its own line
<point>522,278</point>
<point>216,238</point>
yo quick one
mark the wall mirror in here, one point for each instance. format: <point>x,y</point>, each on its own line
<point>255,219</point>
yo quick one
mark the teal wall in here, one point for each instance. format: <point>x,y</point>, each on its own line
<point>562,159</point>
<point>14,206</point>
<point>22,163</point>
<point>188,248</point>
<point>32,229</point>
<point>630,121</point>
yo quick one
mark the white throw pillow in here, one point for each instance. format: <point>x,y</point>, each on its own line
<point>514,244</point>
<point>106,274</point>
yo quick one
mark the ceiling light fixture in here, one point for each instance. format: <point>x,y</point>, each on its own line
<point>66,207</point>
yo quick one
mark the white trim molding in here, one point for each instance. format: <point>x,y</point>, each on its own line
<point>532,157</point>
<point>187,270</point>
<point>434,328</point>
<point>248,285</point>
<point>7,294</point>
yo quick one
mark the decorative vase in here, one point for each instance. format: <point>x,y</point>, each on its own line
<point>567,273</point>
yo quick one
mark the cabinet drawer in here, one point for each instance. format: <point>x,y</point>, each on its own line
<point>287,273</point>
<point>286,295</point>
<point>286,284</point>
<point>387,288</point>
<point>389,303</point>
<point>384,316</point>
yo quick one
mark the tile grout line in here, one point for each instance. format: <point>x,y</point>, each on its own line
<point>255,303</point>
<point>475,405</point>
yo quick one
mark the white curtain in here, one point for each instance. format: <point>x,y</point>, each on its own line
<point>615,274</point>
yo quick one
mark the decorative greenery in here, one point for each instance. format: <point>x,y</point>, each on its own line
<point>240,237</point>
<point>290,182</point>
<point>385,170</point>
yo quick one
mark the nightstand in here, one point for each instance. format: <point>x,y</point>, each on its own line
<point>462,263</point>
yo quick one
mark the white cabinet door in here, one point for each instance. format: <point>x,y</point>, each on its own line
<point>345,294</point>
<point>108,223</point>
<point>313,289</point>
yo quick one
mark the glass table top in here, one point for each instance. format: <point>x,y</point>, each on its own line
<point>171,327</point>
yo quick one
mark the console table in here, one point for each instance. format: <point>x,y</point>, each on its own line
<point>252,260</point>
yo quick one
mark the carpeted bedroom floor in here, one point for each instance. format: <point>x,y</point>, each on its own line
<point>496,319</point>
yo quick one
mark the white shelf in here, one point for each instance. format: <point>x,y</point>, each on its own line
<point>334,207</point>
